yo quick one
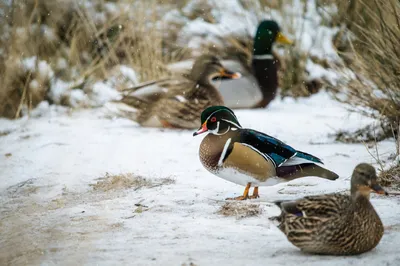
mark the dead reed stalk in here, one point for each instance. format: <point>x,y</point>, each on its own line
<point>77,43</point>
<point>377,63</point>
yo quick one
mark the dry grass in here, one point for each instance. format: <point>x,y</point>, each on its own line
<point>126,181</point>
<point>390,177</point>
<point>240,209</point>
<point>87,40</point>
<point>367,134</point>
<point>376,61</point>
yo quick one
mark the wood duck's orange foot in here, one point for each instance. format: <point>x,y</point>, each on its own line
<point>238,198</point>
<point>255,194</point>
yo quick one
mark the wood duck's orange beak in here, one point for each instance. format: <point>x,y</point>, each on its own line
<point>201,130</point>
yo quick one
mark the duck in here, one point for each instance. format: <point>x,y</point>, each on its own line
<point>248,157</point>
<point>259,82</point>
<point>337,223</point>
<point>176,101</point>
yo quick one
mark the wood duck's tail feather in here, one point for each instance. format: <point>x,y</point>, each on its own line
<point>290,172</point>
<point>309,157</point>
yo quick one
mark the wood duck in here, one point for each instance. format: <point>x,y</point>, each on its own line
<point>248,157</point>
<point>178,101</point>
<point>335,224</point>
<point>259,83</point>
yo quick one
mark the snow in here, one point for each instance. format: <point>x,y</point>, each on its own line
<point>51,215</point>
<point>318,72</point>
<point>102,93</point>
<point>29,63</point>
<point>62,64</point>
<point>129,73</point>
<point>77,98</point>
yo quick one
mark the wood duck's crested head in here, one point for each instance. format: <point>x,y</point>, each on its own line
<point>364,181</point>
<point>218,120</point>
<point>268,32</point>
<point>208,67</point>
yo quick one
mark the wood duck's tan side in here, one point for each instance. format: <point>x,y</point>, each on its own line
<point>242,158</point>
<point>247,161</point>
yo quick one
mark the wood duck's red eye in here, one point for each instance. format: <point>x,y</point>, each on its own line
<point>213,119</point>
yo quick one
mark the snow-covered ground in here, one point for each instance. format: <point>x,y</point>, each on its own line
<point>51,214</point>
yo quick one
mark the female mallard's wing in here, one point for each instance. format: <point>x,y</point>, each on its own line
<point>150,92</point>
<point>275,150</point>
<point>326,206</point>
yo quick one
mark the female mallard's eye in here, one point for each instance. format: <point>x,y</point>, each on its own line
<point>213,119</point>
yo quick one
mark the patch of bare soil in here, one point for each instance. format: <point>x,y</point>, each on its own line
<point>129,180</point>
<point>240,209</point>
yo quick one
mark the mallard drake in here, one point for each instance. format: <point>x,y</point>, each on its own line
<point>259,82</point>
<point>248,157</point>
<point>335,224</point>
<point>178,101</point>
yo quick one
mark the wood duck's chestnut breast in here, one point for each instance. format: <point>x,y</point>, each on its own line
<point>210,151</point>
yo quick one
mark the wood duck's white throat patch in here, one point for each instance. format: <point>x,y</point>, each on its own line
<point>216,130</point>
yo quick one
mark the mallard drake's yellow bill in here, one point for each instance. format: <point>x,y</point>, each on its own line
<point>229,74</point>
<point>280,38</point>
<point>201,130</point>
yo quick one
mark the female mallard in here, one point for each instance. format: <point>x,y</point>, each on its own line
<point>248,157</point>
<point>259,82</point>
<point>177,101</point>
<point>335,224</point>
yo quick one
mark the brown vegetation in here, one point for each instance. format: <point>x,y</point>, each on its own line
<point>376,61</point>
<point>128,180</point>
<point>77,43</point>
<point>240,209</point>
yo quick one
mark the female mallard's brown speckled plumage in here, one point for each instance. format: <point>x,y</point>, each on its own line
<point>335,224</point>
<point>177,101</point>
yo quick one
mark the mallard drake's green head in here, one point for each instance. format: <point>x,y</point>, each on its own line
<point>268,32</point>
<point>217,120</point>
<point>208,67</point>
<point>364,181</point>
